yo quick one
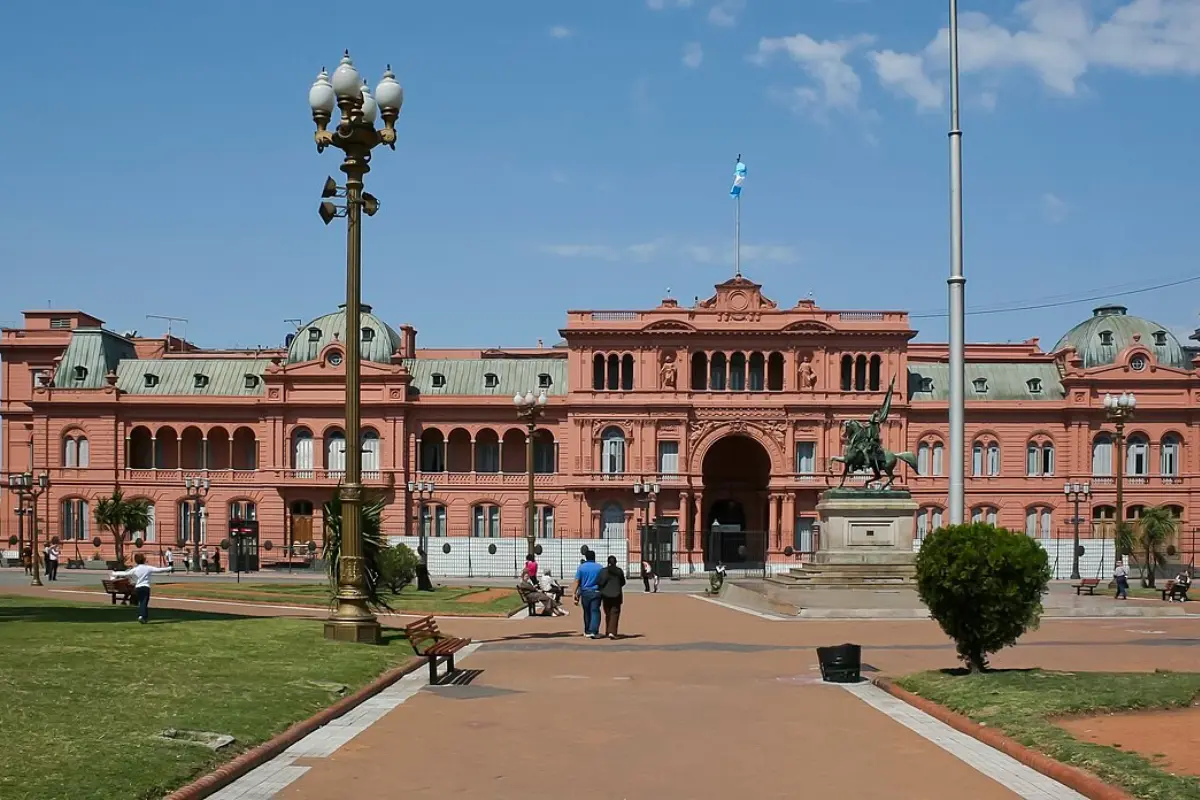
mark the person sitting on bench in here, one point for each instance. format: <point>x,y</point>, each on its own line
<point>1183,582</point>
<point>553,588</point>
<point>532,593</point>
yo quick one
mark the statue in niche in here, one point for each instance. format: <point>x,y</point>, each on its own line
<point>806,375</point>
<point>667,372</point>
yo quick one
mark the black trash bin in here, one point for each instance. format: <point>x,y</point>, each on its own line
<point>840,663</point>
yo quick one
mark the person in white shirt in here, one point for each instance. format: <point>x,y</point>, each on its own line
<point>553,588</point>
<point>140,575</point>
<point>169,558</point>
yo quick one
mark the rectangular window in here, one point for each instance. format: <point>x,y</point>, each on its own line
<point>993,458</point>
<point>1033,461</point>
<point>1031,523</point>
<point>546,522</point>
<point>977,460</point>
<point>922,523</point>
<point>1170,459</point>
<point>937,459</point>
<point>493,521</point>
<point>923,459</point>
<point>59,323</point>
<point>937,519</point>
<point>188,510</point>
<point>1102,457</point>
<point>1048,459</point>
<point>668,460</point>
<point>478,522</point>
<point>1046,524</point>
<point>806,457</point>
<point>803,540</point>
<point>150,534</point>
<point>433,520</point>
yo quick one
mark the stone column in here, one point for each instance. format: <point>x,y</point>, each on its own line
<point>697,542</point>
<point>773,517</point>
<point>685,517</point>
<point>788,520</point>
<point>472,464</point>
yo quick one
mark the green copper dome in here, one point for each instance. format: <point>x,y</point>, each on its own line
<point>378,340</point>
<point>1100,340</point>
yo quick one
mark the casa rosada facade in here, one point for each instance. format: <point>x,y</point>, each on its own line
<point>732,406</point>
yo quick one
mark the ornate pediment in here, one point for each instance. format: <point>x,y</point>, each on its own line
<point>669,326</point>
<point>808,326</point>
<point>738,298</point>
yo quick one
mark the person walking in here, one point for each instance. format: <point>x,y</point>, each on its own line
<point>52,556</point>
<point>168,558</point>
<point>587,593</point>
<point>649,576</point>
<point>140,575</point>
<point>1121,576</point>
<point>611,582</point>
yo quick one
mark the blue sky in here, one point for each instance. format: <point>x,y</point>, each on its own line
<point>559,154</point>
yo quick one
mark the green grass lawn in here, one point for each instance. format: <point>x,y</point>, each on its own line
<point>462,600</point>
<point>1023,704</point>
<point>84,689</point>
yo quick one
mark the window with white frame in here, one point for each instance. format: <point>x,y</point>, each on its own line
<point>929,519</point>
<point>150,534</point>
<point>302,449</point>
<point>802,541</point>
<point>1039,522</point>
<point>76,452</point>
<point>1039,458</point>
<point>370,449</point>
<point>1137,455</point>
<point>668,459</point>
<point>993,459</point>
<point>937,458</point>
<point>984,514</point>
<point>485,521</point>
<point>1048,458</point>
<point>1102,455</point>
<point>1168,463</point>
<point>335,451</point>
<point>433,520</point>
<point>923,458</point>
<point>74,523</point>
<point>977,459</point>
<point>806,457</point>
<point>192,516</point>
<point>244,510</point>
<point>612,451</point>
<point>545,521</point>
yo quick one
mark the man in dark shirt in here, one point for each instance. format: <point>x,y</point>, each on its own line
<point>587,594</point>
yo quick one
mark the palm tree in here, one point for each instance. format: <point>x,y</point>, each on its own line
<point>122,518</point>
<point>372,544</point>
<point>1155,529</point>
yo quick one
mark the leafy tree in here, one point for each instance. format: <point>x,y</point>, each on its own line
<point>122,519</point>
<point>397,567</point>
<point>372,545</point>
<point>1123,538</point>
<point>983,585</point>
<point>1154,530</point>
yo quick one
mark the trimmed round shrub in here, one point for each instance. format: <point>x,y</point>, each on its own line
<point>983,585</point>
<point>397,567</point>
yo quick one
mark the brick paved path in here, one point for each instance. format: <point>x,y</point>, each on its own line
<point>704,702</point>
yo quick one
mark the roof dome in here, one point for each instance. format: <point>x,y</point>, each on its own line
<point>1100,340</point>
<point>377,339</point>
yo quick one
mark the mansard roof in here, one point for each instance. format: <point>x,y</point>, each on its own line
<point>468,376</point>
<point>1034,381</point>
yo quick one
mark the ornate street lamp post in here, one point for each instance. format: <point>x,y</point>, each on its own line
<point>27,490</point>
<point>1077,492</point>
<point>422,491</point>
<point>1119,410</point>
<point>197,490</point>
<point>644,494</point>
<point>530,409</point>
<point>356,136</point>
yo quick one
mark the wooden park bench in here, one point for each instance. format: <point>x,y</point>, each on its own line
<point>120,586</point>
<point>431,643</point>
<point>529,597</point>
<point>1087,584</point>
<point>1174,591</point>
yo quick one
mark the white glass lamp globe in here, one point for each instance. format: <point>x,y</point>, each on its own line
<point>346,81</point>
<point>517,399</point>
<point>321,96</point>
<point>369,108</point>
<point>389,93</point>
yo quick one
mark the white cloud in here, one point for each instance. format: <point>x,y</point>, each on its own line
<point>1059,42</point>
<point>905,73</point>
<point>1054,208</point>
<point>724,14</point>
<point>659,5</point>
<point>561,32</point>
<point>834,83</point>
<point>668,249</point>
<point>693,54</point>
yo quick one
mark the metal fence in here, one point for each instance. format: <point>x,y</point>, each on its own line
<point>504,556</point>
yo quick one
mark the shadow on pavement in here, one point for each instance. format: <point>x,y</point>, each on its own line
<point>98,613</point>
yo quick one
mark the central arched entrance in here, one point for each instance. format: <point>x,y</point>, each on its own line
<point>736,472</point>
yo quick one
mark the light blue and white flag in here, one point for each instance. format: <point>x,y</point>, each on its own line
<point>739,177</point>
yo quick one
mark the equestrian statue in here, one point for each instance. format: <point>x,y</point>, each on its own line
<point>865,450</point>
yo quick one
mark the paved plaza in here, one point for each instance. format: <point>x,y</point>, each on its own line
<point>700,700</point>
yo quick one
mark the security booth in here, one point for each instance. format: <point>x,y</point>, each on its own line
<point>658,545</point>
<point>243,545</point>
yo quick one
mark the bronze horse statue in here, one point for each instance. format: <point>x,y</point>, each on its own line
<point>857,458</point>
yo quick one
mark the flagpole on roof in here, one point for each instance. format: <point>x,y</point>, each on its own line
<point>737,231</point>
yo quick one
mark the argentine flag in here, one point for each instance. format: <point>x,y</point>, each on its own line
<point>739,177</point>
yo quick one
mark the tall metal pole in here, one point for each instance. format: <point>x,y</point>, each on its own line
<point>531,515</point>
<point>957,285</point>
<point>33,536</point>
<point>1120,510</point>
<point>737,236</point>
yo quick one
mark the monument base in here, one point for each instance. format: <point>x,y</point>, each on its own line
<point>866,541</point>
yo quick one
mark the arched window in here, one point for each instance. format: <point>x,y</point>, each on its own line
<point>485,521</point>
<point>75,520</point>
<point>993,459</point>
<point>612,451</point>
<point>1039,458</point>
<point>188,524</point>
<point>1137,455</point>
<point>140,453</point>
<point>847,373</point>
<point>244,510</point>
<point>1048,458</point>
<point>1039,522</point>
<point>543,453</point>
<point>977,459</point>
<point>75,450</point>
<point>929,519</point>
<point>431,451</point>
<point>984,514</point>
<point>716,378</point>
<point>612,521</point>
<point>875,369</point>
<point>775,372</point>
<point>487,451</point>
<point>699,372</point>
<point>370,452</point>
<point>1102,455</point>
<point>737,372</point>
<point>335,451</point>
<point>302,449</point>
<point>937,458</point>
<point>923,458</point>
<point>598,372</point>
<point>627,373</point>
<point>757,372</point>
<point>614,372</point>
<point>151,533</point>
<point>1168,462</point>
<point>433,519</point>
<point>545,522</point>
<point>1134,512</point>
<point>860,374</point>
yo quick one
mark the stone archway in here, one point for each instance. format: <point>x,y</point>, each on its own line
<point>736,472</point>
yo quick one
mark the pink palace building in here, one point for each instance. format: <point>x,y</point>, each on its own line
<point>731,406</point>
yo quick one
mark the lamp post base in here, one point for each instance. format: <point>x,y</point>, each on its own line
<point>356,631</point>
